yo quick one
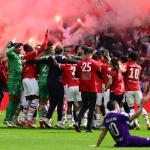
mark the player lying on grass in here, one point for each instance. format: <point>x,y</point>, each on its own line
<point>117,124</point>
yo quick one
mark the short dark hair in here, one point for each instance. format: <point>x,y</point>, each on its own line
<point>87,50</point>
<point>111,105</point>
<point>133,56</point>
<point>27,48</point>
<point>116,54</point>
<point>59,50</point>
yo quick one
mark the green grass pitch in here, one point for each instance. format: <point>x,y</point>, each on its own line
<point>57,139</point>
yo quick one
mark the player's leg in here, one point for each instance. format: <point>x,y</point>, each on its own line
<point>14,90</point>
<point>31,92</point>
<point>91,105</point>
<point>64,117</point>
<point>106,95</point>
<point>32,111</point>
<point>42,109</point>
<point>84,108</point>
<point>134,141</point>
<point>138,98</point>
<point>130,100</point>
<point>60,104</point>
<point>70,103</point>
<point>78,105</point>
<point>98,109</point>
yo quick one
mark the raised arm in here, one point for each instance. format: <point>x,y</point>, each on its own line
<point>10,52</point>
<point>37,52</point>
<point>44,45</point>
<point>65,60</point>
<point>39,61</point>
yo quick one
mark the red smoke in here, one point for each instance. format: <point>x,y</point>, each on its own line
<point>26,19</point>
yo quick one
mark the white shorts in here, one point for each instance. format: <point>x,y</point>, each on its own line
<point>132,96</point>
<point>23,100</point>
<point>73,94</point>
<point>99,99</point>
<point>30,87</point>
<point>65,89</point>
<point>106,95</point>
<point>26,103</point>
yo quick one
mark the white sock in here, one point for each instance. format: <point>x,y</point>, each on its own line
<point>145,116</point>
<point>69,118</point>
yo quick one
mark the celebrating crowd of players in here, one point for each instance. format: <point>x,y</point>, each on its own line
<point>44,78</point>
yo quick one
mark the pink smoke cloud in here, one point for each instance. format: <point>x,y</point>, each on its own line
<point>25,19</point>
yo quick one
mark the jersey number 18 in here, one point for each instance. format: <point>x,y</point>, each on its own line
<point>134,73</point>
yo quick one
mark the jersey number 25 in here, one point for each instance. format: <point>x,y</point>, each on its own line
<point>86,66</point>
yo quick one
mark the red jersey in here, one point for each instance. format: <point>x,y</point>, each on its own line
<point>3,73</point>
<point>99,80</point>
<point>87,71</point>
<point>68,75</point>
<point>117,86</point>
<point>132,76</point>
<point>104,68</point>
<point>30,71</point>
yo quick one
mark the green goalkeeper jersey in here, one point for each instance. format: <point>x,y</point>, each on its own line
<point>14,64</point>
<point>43,71</point>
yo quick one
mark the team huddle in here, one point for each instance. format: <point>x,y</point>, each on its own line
<point>45,78</point>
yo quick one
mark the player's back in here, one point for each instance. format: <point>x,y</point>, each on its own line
<point>132,76</point>
<point>87,70</point>
<point>68,75</point>
<point>43,70</point>
<point>117,124</point>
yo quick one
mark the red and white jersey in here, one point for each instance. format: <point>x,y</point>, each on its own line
<point>68,76</point>
<point>132,76</point>
<point>87,71</point>
<point>30,71</point>
<point>117,86</point>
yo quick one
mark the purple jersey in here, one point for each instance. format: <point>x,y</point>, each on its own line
<point>118,126</point>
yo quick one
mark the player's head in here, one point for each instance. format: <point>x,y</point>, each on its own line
<point>80,51</point>
<point>67,52</point>
<point>38,46</point>
<point>87,50</point>
<point>124,59</point>
<point>113,106</point>
<point>116,54</point>
<point>18,48</point>
<point>97,55</point>
<point>49,51</point>
<point>132,56</point>
<point>59,50</point>
<point>27,48</point>
<point>115,63</point>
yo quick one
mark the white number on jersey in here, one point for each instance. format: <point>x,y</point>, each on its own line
<point>134,73</point>
<point>86,67</point>
<point>113,129</point>
<point>73,69</point>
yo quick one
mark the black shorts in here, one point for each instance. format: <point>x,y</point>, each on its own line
<point>118,98</point>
